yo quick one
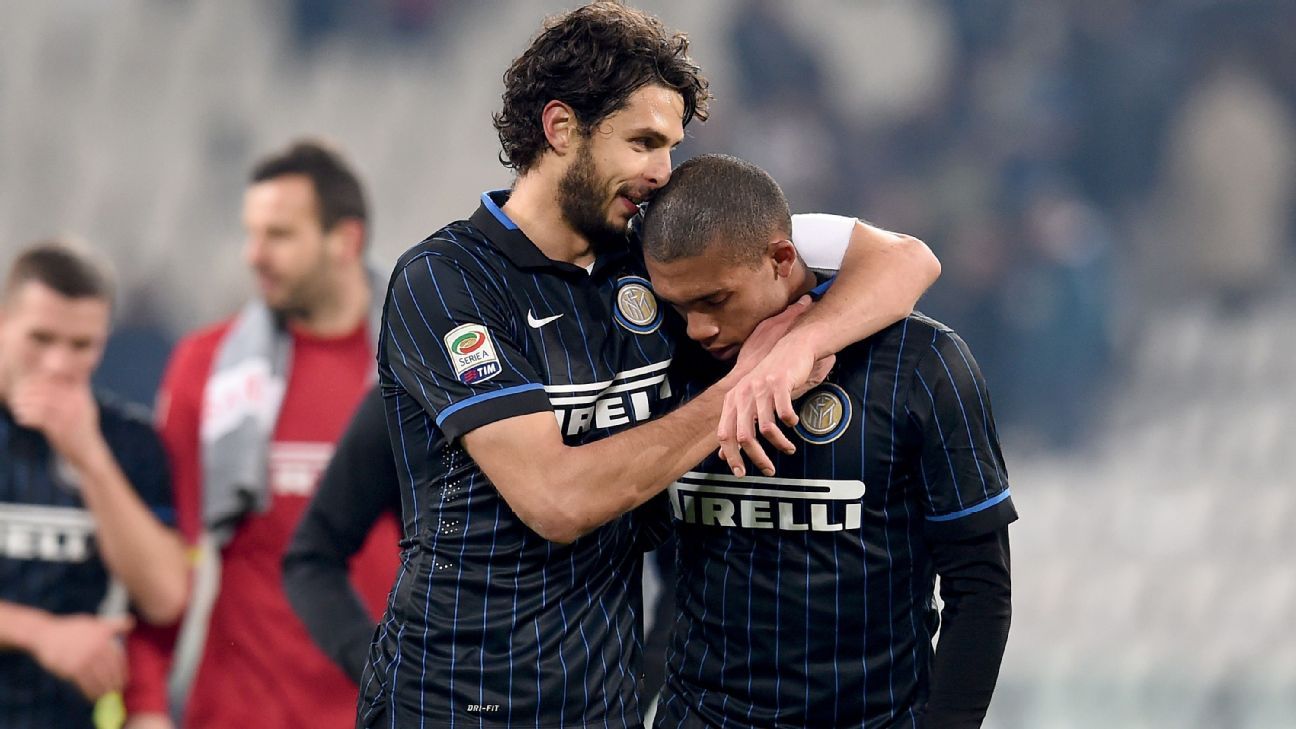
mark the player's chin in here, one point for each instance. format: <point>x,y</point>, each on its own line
<point>618,220</point>
<point>271,292</point>
<point>274,301</point>
<point>282,304</point>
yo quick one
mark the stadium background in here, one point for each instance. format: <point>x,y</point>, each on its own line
<point>1111,185</point>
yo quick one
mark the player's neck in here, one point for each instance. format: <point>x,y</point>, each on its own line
<point>533,206</point>
<point>340,313</point>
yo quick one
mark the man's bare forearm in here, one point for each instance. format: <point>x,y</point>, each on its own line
<point>563,492</point>
<point>881,279</point>
<point>637,464</point>
<point>18,625</point>
<point>139,550</point>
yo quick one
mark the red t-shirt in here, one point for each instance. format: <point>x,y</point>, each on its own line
<point>259,666</point>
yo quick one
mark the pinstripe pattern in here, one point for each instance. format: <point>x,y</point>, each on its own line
<point>489,624</point>
<point>782,622</point>
<point>48,556</point>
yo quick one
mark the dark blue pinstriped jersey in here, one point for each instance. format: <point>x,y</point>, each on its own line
<point>48,556</point>
<point>806,599</point>
<point>488,623</point>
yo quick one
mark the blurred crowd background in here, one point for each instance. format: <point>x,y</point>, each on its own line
<point>1110,184</point>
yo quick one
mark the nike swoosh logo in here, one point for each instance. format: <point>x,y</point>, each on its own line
<point>537,323</point>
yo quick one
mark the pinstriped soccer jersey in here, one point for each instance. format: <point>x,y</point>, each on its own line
<point>488,623</point>
<point>49,558</point>
<point>806,599</point>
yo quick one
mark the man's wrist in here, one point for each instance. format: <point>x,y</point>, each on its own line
<point>29,626</point>
<point>810,335</point>
<point>93,460</point>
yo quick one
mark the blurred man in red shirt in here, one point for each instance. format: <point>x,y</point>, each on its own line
<point>250,409</point>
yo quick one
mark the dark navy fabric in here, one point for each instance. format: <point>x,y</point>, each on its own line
<point>48,556</point>
<point>488,623</point>
<point>806,599</point>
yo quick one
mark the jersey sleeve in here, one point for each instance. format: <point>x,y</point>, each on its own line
<point>451,340</point>
<point>821,239</point>
<point>962,469</point>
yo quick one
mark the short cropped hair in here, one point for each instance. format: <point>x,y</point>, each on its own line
<point>337,188</point>
<point>592,59</point>
<point>63,266</point>
<point>715,199</point>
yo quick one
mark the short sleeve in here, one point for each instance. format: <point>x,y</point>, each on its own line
<point>821,239</point>
<point>963,475</point>
<point>450,340</point>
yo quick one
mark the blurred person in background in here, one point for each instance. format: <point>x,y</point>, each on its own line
<point>358,491</point>
<point>518,598</point>
<point>86,520</point>
<point>1230,176</point>
<point>250,410</point>
<point>807,599</point>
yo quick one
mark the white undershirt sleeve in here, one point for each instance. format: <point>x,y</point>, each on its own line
<point>821,239</point>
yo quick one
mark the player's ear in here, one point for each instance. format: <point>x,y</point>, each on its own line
<point>561,127</point>
<point>783,255</point>
<point>348,237</point>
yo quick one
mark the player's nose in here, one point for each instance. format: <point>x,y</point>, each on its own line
<point>659,168</point>
<point>253,251</point>
<point>58,363</point>
<point>701,328</point>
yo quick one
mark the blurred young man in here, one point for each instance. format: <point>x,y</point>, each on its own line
<point>85,499</point>
<point>250,410</point>
<point>517,345</point>
<point>805,599</point>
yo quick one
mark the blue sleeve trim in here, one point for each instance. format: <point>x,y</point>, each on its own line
<point>505,220</point>
<point>973,509</point>
<point>483,397</point>
<point>821,289</point>
<point>165,514</point>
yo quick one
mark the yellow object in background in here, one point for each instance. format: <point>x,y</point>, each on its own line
<point>110,712</point>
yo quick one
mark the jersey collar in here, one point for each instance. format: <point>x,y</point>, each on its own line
<point>505,234</point>
<point>823,283</point>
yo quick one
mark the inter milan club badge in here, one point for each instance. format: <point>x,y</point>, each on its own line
<point>824,415</point>
<point>636,306</point>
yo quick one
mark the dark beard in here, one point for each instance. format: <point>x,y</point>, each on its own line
<point>583,208</point>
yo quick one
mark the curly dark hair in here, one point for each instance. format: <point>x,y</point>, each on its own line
<point>592,58</point>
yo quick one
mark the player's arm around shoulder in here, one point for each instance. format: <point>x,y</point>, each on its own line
<point>563,492</point>
<point>881,278</point>
<point>882,275</point>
